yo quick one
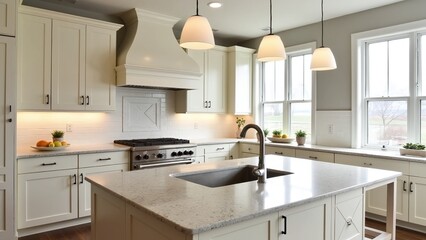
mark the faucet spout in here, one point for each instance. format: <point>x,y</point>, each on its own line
<point>260,171</point>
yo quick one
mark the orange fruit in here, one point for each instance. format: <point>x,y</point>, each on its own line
<point>42,143</point>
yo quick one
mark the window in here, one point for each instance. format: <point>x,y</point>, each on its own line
<point>286,92</point>
<point>389,88</point>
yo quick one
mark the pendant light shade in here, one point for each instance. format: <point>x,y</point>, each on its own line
<point>197,33</point>
<point>323,58</point>
<point>271,47</point>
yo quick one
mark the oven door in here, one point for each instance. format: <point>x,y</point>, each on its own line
<point>142,165</point>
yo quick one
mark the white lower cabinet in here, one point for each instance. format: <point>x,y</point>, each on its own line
<point>288,152</point>
<point>249,150</point>
<point>53,189</point>
<point>216,152</point>
<point>315,155</point>
<point>261,228</point>
<point>311,221</point>
<point>47,192</point>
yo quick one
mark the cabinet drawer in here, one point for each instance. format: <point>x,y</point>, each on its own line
<point>385,164</point>
<point>216,148</point>
<point>42,164</point>
<point>281,151</point>
<point>418,169</point>
<point>250,148</point>
<point>319,156</point>
<point>102,159</point>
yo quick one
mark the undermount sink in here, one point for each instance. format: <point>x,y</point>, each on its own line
<point>228,176</point>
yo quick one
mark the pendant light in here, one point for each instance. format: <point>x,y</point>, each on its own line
<point>271,47</point>
<point>323,58</point>
<point>197,33</point>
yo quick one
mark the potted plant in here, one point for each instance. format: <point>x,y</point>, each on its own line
<point>240,123</point>
<point>266,132</point>
<point>58,135</point>
<point>300,137</point>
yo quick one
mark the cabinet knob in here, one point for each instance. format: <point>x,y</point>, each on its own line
<point>349,221</point>
<point>9,120</point>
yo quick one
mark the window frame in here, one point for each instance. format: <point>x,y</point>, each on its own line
<point>359,80</point>
<point>296,50</point>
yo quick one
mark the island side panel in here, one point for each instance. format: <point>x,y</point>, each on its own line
<point>108,215</point>
<point>391,209</point>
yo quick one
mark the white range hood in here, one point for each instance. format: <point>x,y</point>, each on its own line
<point>150,55</point>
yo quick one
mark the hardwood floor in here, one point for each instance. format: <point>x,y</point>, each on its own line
<point>82,232</point>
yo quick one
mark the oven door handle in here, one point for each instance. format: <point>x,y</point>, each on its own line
<point>189,161</point>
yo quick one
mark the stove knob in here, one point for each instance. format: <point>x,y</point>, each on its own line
<point>185,152</point>
<point>190,152</point>
<point>145,156</point>
<point>138,157</point>
<point>136,167</point>
<point>174,154</point>
<point>179,153</point>
<point>160,155</point>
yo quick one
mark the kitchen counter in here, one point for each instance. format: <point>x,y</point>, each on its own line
<point>193,208</point>
<point>28,152</point>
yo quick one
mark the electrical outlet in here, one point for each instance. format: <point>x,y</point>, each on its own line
<point>330,128</point>
<point>69,127</point>
<point>195,125</point>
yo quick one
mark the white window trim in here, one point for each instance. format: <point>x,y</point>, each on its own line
<point>357,59</point>
<point>257,88</point>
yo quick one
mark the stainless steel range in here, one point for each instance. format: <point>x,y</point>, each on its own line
<point>158,152</point>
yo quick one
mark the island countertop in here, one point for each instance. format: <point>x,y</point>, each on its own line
<point>193,208</point>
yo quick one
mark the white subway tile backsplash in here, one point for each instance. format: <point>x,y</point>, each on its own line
<point>104,127</point>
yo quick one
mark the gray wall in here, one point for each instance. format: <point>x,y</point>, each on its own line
<point>334,87</point>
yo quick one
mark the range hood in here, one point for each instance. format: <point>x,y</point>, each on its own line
<point>150,55</point>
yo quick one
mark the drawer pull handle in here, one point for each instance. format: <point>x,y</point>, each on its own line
<point>205,104</point>
<point>411,187</point>
<point>82,100</point>
<point>104,159</point>
<point>368,164</point>
<point>81,178</point>
<point>75,179</point>
<point>404,186</point>
<point>88,100</point>
<point>284,231</point>
<point>47,99</point>
<point>48,164</point>
<point>312,157</point>
<point>280,153</point>
<point>221,148</point>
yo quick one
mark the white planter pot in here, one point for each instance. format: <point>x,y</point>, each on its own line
<point>421,153</point>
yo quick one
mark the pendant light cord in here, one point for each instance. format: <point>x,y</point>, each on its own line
<point>322,23</point>
<point>196,9</point>
<point>270,17</point>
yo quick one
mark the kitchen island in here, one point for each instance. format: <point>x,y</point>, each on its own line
<point>316,200</point>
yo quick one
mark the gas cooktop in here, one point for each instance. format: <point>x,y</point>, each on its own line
<point>151,142</point>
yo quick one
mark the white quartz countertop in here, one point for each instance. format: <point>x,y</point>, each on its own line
<point>28,152</point>
<point>194,208</point>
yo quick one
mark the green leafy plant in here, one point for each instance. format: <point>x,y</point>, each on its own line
<point>240,122</point>
<point>58,134</point>
<point>300,133</point>
<point>266,132</point>
<point>277,133</point>
<point>415,146</point>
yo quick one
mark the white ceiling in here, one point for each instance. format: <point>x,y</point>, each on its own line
<point>237,19</point>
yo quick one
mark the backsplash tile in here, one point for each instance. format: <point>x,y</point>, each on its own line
<point>104,127</point>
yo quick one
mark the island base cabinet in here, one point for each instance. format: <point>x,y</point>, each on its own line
<point>349,216</point>
<point>262,228</point>
<point>311,221</point>
<point>108,216</point>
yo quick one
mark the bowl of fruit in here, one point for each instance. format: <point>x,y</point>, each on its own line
<point>279,137</point>
<point>44,145</point>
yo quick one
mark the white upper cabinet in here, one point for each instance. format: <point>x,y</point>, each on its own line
<point>240,83</point>
<point>8,17</point>
<point>210,97</point>
<point>65,62</point>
